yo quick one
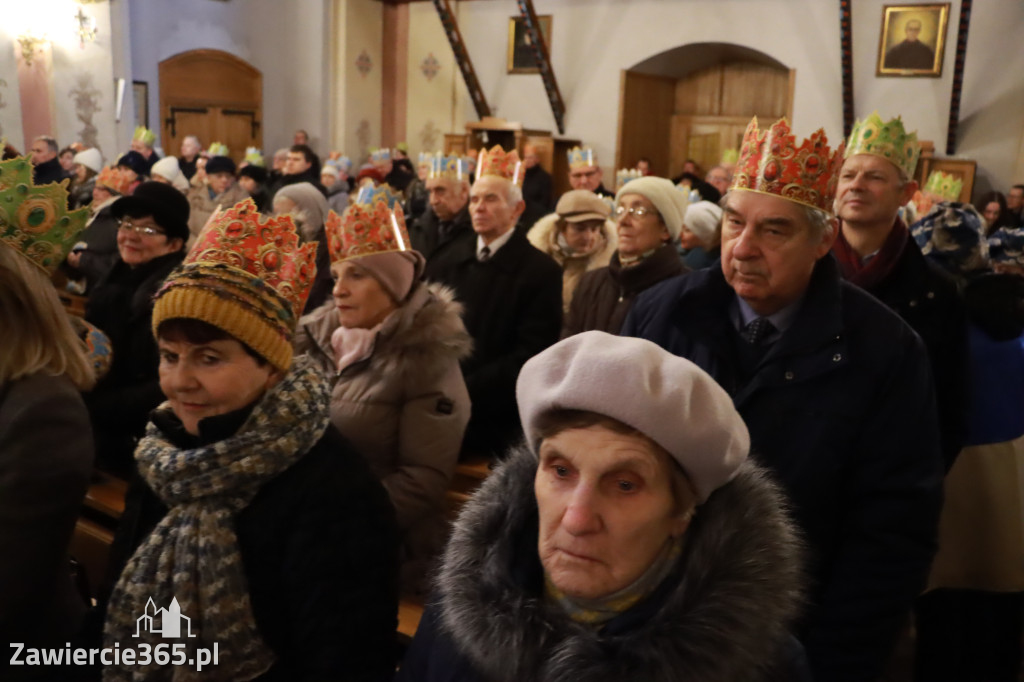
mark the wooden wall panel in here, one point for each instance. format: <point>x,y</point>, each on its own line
<point>749,89</point>
<point>646,122</point>
<point>700,93</point>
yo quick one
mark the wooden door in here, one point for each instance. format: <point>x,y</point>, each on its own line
<point>214,96</point>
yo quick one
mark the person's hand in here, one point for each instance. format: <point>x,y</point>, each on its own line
<point>74,258</point>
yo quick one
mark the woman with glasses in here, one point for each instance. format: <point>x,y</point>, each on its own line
<point>649,215</point>
<point>151,235</point>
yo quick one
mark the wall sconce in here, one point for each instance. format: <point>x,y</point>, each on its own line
<point>29,44</point>
<point>86,28</point>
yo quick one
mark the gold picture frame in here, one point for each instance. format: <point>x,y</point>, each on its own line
<point>520,53</point>
<point>913,40</point>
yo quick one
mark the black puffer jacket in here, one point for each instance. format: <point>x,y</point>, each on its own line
<point>723,615</point>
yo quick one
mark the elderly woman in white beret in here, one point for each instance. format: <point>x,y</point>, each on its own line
<point>701,236</point>
<point>629,538</point>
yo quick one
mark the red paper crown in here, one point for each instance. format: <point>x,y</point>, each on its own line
<point>266,249</point>
<point>771,163</point>
<point>500,163</point>
<point>366,229</point>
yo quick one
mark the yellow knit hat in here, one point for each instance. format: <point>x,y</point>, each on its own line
<point>246,275</point>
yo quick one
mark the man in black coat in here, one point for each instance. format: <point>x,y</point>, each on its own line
<point>875,252</point>
<point>537,190</point>
<point>512,295</point>
<point>448,214</point>
<point>46,164</point>
<point>303,165</point>
<point>837,393</point>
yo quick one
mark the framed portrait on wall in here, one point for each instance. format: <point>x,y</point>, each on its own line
<point>140,97</point>
<point>912,40</point>
<point>520,52</point>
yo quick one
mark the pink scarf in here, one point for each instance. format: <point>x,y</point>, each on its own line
<point>352,345</point>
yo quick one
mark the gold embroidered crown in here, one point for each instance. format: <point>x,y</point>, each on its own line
<point>500,163</point>
<point>374,223</point>
<point>887,140</point>
<point>771,163</point>
<point>34,220</point>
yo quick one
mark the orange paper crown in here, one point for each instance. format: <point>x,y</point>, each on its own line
<point>501,163</point>
<point>771,163</point>
<point>368,226</point>
<point>246,275</point>
<point>114,179</point>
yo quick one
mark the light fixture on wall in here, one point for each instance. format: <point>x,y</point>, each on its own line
<point>29,44</point>
<point>86,27</point>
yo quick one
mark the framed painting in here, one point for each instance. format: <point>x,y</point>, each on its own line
<point>520,52</point>
<point>912,40</point>
<point>140,97</point>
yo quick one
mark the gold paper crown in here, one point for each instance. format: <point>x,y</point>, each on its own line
<point>34,220</point>
<point>946,186</point>
<point>218,149</point>
<point>247,275</point>
<point>448,167</point>
<point>500,163</point>
<point>144,135</point>
<point>771,163</point>
<point>373,224</point>
<point>887,140</point>
<point>254,157</point>
<point>580,157</point>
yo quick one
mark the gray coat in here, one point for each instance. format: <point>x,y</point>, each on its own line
<point>722,615</point>
<point>405,408</point>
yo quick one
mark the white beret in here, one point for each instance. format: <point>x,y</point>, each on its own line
<point>670,202</point>
<point>703,219</point>
<point>667,398</point>
<point>90,158</point>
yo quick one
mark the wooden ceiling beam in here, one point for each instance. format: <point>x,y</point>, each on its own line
<point>540,51</point>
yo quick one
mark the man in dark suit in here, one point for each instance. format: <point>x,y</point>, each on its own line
<point>911,53</point>
<point>512,295</point>
<point>44,158</point>
<point>537,189</point>
<point>447,217</point>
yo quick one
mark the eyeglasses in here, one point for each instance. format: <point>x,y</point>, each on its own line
<point>147,230</point>
<point>635,211</point>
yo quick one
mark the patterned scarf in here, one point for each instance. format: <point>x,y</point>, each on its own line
<point>597,612</point>
<point>192,556</point>
<point>867,274</point>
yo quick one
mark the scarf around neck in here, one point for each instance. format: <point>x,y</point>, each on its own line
<point>868,274</point>
<point>192,557</point>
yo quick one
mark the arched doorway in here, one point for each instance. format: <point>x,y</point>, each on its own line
<point>213,95</point>
<point>699,99</point>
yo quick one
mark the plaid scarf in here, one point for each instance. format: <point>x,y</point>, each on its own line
<point>867,275</point>
<point>192,555</point>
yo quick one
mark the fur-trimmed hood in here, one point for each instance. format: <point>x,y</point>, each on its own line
<point>427,332</point>
<point>726,617</point>
<point>544,236</point>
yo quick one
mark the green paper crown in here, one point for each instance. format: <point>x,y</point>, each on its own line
<point>254,157</point>
<point>34,220</point>
<point>946,186</point>
<point>144,135</point>
<point>218,149</point>
<point>888,140</point>
<point>731,156</point>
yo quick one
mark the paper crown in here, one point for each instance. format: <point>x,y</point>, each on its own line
<point>887,140</point>
<point>944,185</point>
<point>625,175</point>
<point>580,157</point>
<point>34,220</point>
<point>500,163</point>
<point>246,274</point>
<point>448,167</point>
<point>218,149</point>
<point>254,157</point>
<point>144,135</point>
<point>730,156</point>
<point>770,162</point>
<point>373,224</point>
<point>380,155</point>
<point>114,179</point>
<point>343,162</point>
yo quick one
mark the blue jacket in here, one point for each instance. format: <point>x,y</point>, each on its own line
<point>842,408</point>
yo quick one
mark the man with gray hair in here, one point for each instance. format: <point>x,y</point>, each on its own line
<point>190,148</point>
<point>44,157</point>
<point>512,294</point>
<point>836,390</point>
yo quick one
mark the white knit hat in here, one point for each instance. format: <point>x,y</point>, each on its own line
<point>667,398</point>
<point>329,169</point>
<point>168,168</point>
<point>90,158</point>
<point>703,219</point>
<point>670,202</point>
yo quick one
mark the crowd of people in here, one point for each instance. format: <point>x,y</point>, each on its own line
<point>743,424</point>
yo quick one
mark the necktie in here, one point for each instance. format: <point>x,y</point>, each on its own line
<point>485,253</point>
<point>756,332</point>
